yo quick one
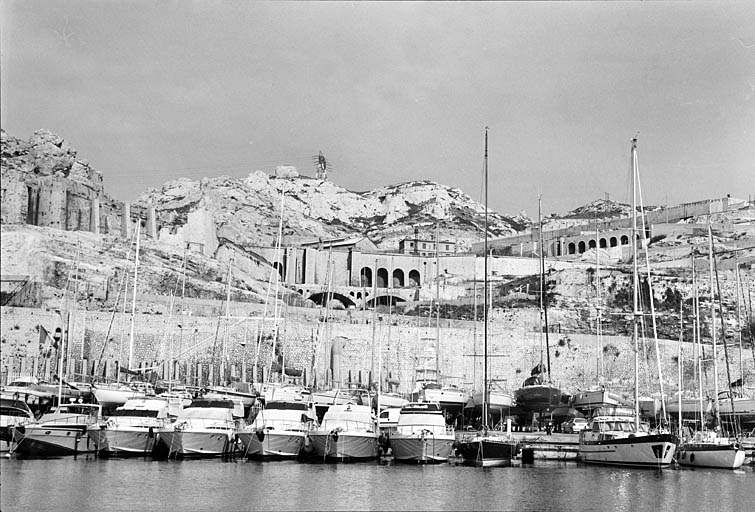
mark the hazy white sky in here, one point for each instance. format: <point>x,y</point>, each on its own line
<point>148,91</point>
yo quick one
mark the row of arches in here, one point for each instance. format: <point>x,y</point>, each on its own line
<point>582,246</point>
<point>399,279</point>
<point>354,299</point>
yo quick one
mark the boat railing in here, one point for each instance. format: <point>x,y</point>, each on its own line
<point>70,419</point>
<point>348,426</point>
<point>283,425</point>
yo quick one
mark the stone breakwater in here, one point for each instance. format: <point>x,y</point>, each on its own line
<point>344,344</point>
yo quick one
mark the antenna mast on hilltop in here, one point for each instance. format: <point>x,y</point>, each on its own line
<point>322,166</point>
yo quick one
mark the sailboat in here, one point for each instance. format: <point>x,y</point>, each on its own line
<point>587,400</point>
<point>428,384</point>
<point>111,396</point>
<point>616,436</point>
<point>487,448</point>
<point>239,390</point>
<point>539,395</point>
<point>708,448</point>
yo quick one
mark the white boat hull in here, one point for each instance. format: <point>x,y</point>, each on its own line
<point>711,456</point>
<point>422,449</point>
<point>248,399</point>
<point>345,446</point>
<point>184,444</point>
<point>275,444</point>
<point>124,441</point>
<point>50,441</point>
<point>496,400</point>
<point>649,451</point>
<point>111,398</point>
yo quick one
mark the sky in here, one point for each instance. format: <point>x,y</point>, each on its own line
<point>149,91</point>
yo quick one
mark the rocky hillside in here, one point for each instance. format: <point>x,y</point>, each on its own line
<point>245,215</point>
<point>247,211</point>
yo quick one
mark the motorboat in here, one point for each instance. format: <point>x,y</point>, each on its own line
<point>279,430</point>
<point>13,411</point>
<point>389,400</point>
<point>449,397</point>
<point>206,428</point>
<point>613,438</point>
<point>587,400</point>
<point>339,396</point>
<point>62,431</point>
<point>132,429</point>
<point>738,410</point>
<point>27,385</point>
<point>284,392</point>
<point>389,419</point>
<point>348,432</point>
<point>180,393</point>
<point>708,449</point>
<point>422,435</point>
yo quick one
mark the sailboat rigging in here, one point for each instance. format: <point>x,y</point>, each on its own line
<point>709,448</point>
<point>616,436</point>
<point>487,448</point>
<point>112,396</point>
<point>537,395</point>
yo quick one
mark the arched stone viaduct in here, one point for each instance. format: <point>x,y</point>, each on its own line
<point>363,279</point>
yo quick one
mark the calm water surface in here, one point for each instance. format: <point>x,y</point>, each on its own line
<point>89,483</point>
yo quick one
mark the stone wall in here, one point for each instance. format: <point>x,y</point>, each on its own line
<point>406,343</point>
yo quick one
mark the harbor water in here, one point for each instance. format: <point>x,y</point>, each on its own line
<point>100,484</point>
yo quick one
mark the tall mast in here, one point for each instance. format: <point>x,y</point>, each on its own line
<point>226,339</point>
<point>696,339</point>
<point>437,300</point>
<point>598,308</point>
<point>713,328</point>
<point>679,367</point>
<point>485,300</point>
<point>133,300</point>
<point>543,305</point>
<point>739,321</point>
<point>723,338</point>
<point>635,288</point>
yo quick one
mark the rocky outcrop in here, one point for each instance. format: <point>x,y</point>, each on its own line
<point>45,183</point>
